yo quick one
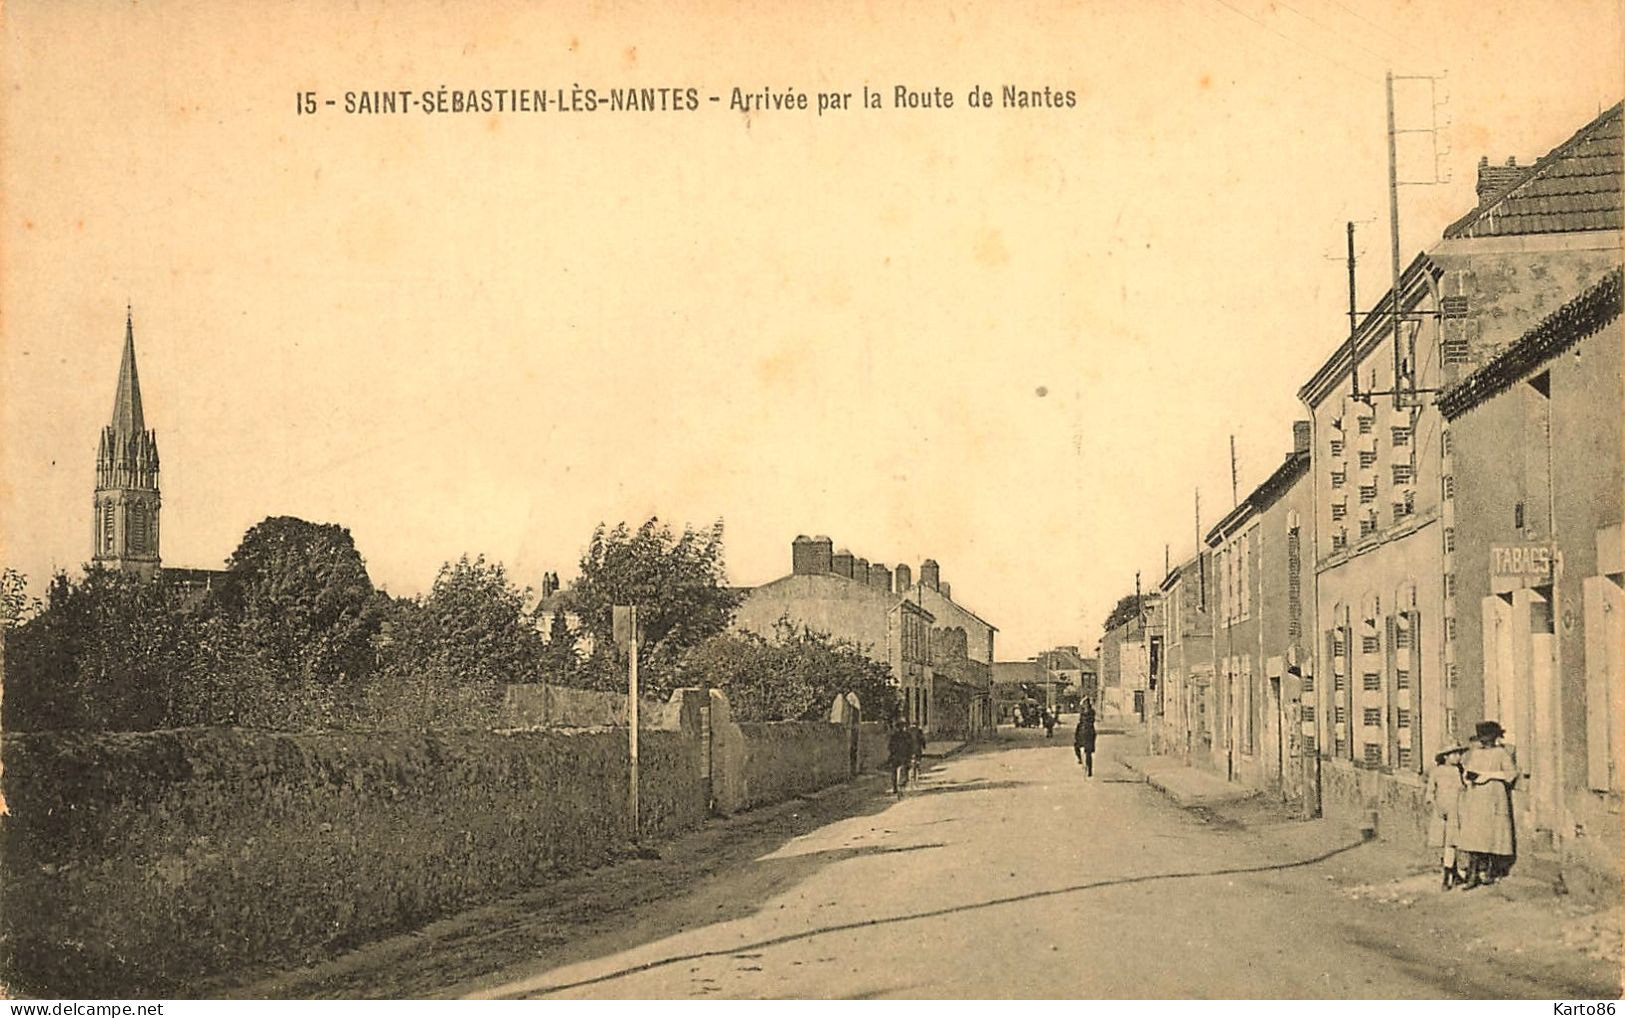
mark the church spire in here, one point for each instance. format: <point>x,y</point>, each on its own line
<point>127,417</point>
<point>125,528</point>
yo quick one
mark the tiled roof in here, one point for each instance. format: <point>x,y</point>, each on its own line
<point>1574,187</point>
<point>1583,316</point>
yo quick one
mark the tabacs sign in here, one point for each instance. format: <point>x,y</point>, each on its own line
<point>1527,562</point>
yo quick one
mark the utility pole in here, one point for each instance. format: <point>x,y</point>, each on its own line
<point>627,635</point>
<point>1235,499</point>
<point>1354,325</point>
<point>1393,231</point>
<point>1405,382</point>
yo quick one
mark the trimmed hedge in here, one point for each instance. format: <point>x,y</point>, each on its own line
<point>136,862</point>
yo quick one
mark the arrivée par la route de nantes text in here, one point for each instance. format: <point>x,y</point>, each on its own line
<point>675,99</point>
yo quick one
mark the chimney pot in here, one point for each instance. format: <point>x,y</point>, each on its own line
<point>841,563</point>
<point>1301,431</point>
<point>905,577</point>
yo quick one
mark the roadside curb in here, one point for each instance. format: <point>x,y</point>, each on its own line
<point>1187,786</point>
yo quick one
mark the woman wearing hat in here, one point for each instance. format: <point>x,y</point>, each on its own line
<point>1490,771</point>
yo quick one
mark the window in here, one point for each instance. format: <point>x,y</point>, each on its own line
<point>1402,635</point>
<point>1340,510</point>
<point>1401,510</point>
<point>1339,477</point>
<point>1337,643</point>
<point>1341,745</point>
<point>1373,754</point>
<point>1401,436</point>
<point>1309,712</point>
<point>1340,714</point>
<point>1450,677</point>
<point>1368,460</point>
<point>1365,425</point>
<point>1372,717</point>
<point>1402,718</point>
<point>1450,629</point>
<point>1402,473</point>
<point>1309,745</point>
<point>1449,485</point>
<point>1368,493</point>
<point>107,528</point>
<point>1337,447</point>
<point>1402,678</point>
<point>1449,584</point>
<point>1368,526</point>
<point>1449,540</point>
<point>1369,645</point>
<point>1371,682</point>
<point>1309,685</point>
<point>1517,516</point>
<point>1340,540</point>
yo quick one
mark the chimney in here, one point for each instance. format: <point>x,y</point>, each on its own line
<point>860,570</point>
<point>948,591</point>
<point>879,577</point>
<point>841,563</point>
<point>930,573</point>
<point>1301,431</point>
<point>905,578</point>
<point>1493,180</point>
<point>821,554</point>
<point>803,556</point>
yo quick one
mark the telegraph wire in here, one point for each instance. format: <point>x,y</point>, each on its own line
<point>1295,44</point>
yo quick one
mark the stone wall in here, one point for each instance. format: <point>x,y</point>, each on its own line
<point>783,759</point>
<point>541,704</point>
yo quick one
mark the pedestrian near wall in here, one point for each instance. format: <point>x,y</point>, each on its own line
<point>1083,738</point>
<point>1049,724</point>
<point>899,751</point>
<point>917,760</point>
<point>1487,834</point>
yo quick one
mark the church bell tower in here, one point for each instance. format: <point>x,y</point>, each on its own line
<point>125,534</point>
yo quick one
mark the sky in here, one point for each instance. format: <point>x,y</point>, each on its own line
<point>1017,341</point>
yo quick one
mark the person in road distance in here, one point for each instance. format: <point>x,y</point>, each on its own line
<point>899,751</point>
<point>1083,738</point>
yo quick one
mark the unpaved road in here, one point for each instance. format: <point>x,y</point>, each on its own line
<point>1004,874</point>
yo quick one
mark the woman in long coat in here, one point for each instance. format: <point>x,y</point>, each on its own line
<point>1486,830</point>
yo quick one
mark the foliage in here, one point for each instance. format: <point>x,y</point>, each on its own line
<point>16,607</point>
<point>300,595</point>
<point>796,675</point>
<point>1126,608</point>
<point>560,659</point>
<point>678,583</point>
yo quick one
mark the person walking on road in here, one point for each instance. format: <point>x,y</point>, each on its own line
<point>1083,739</point>
<point>917,734</point>
<point>1486,832</point>
<point>1049,724</point>
<point>899,751</point>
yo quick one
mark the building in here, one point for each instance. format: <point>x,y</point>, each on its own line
<point>1015,682</point>
<point>825,591</point>
<point>1063,670</point>
<point>126,504</point>
<point>1125,662</point>
<point>1261,645</point>
<point>1180,655</point>
<point>1388,676</point>
<point>1535,551</point>
<point>963,669</point>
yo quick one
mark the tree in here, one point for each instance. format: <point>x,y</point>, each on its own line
<point>677,581</point>
<point>796,675</point>
<point>301,596</point>
<point>560,660</point>
<point>107,652</point>
<point>1127,607</point>
<point>16,607</point>
<point>484,633</point>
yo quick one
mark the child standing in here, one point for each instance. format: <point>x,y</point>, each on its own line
<point>1444,795</point>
